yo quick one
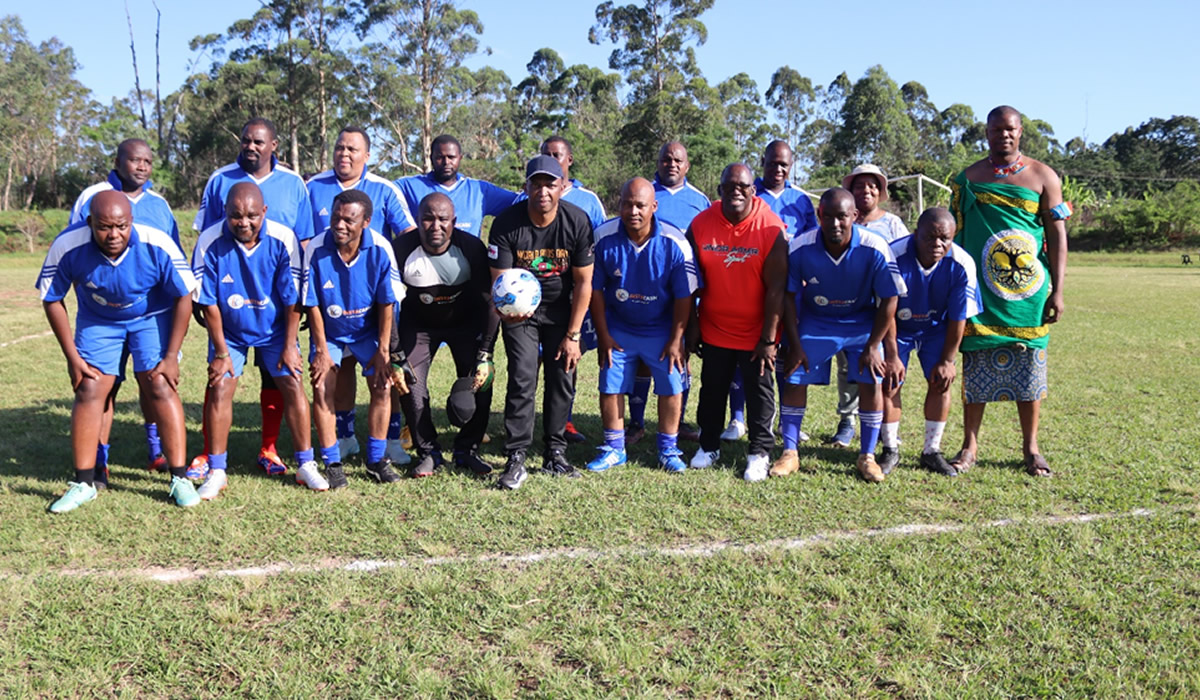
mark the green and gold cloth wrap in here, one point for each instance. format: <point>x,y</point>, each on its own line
<point>999,225</point>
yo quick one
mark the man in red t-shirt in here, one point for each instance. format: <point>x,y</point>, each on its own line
<point>742,257</point>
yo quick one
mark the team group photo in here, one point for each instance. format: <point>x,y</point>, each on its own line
<point>390,374</point>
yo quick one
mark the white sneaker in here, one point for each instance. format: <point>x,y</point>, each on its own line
<point>213,485</point>
<point>347,446</point>
<point>396,453</point>
<point>704,460</point>
<point>310,476</point>
<point>735,431</point>
<point>756,468</point>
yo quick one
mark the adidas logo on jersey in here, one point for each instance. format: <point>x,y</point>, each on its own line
<point>814,280</point>
<point>91,285</point>
<point>328,284</point>
<point>227,279</point>
<point>323,212</point>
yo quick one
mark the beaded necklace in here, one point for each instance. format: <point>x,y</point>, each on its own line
<point>1002,171</point>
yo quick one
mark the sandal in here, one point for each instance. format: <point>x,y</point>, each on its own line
<point>1035,465</point>
<point>964,460</point>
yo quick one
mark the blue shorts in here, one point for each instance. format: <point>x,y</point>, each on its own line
<point>268,358</point>
<point>104,345</point>
<point>363,351</point>
<point>929,349</point>
<point>820,343</point>
<point>618,379</point>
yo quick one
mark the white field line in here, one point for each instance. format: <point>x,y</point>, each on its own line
<point>179,575</point>
<point>23,338</point>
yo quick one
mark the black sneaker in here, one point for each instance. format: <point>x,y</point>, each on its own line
<point>427,464</point>
<point>470,460</point>
<point>556,464</point>
<point>382,471</point>
<point>514,472</point>
<point>936,463</point>
<point>335,475</point>
<point>887,458</point>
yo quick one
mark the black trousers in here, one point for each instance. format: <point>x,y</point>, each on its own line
<point>421,347</point>
<point>521,346</point>
<point>716,374</point>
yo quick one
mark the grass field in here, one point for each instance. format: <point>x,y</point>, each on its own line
<point>626,597</point>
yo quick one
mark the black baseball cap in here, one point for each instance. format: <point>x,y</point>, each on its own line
<point>460,404</point>
<point>543,165</point>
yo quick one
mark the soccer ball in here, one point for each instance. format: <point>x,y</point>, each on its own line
<point>516,292</point>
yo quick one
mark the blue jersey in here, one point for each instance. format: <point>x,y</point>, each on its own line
<point>842,292</point>
<point>149,207</point>
<point>792,205</point>
<point>390,216</point>
<point>947,292</point>
<point>641,285</point>
<point>147,279</point>
<point>679,205</point>
<point>347,293</point>
<point>283,192</point>
<point>473,199</point>
<point>253,289</point>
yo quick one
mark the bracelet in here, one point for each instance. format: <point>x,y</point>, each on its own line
<point>221,356</point>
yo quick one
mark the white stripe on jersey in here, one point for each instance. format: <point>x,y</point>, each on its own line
<point>873,240</point>
<point>974,298</point>
<point>66,242</point>
<point>161,239</point>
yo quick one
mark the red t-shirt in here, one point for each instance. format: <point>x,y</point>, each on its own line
<point>731,259</point>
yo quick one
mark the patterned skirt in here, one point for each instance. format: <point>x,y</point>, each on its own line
<point>1010,373</point>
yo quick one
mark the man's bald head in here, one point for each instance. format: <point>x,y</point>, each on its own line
<point>128,145</point>
<point>110,219</point>
<point>245,191</point>
<point>673,164</point>
<point>111,202</point>
<point>834,196</point>
<point>637,207</point>
<point>1003,111</point>
<point>935,216</point>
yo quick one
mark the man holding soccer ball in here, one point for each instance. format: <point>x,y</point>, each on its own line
<point>553,241</point>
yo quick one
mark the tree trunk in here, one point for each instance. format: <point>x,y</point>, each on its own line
<point>7,184</point>
<point>158,113</point>
<point>426,88</point>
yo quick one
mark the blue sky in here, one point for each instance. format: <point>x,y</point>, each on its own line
<point>1087,68</point>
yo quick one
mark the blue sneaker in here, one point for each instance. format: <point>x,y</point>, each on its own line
<point>183,493</point>
<point>77,494</point>
<point>672,461</point>
<point>607,459</point>
<point>845,432</point>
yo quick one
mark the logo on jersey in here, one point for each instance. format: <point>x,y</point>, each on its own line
<point>236,301</point>
<point>227,279</point>
<point>814,280</point>
<point>1011,267</point>
<point>333,311</point>
<point>426,298</point>
<point>328,284</point>
<point>493,252</point>
<point>323,212</point>
<point>99,300</point>
<point>90,285</point>
<point>616,273</point>
<point>820,300</point>
<point>904,314</point>
<point>622,295</point>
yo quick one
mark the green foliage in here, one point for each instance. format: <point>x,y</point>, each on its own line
<point>1158,220</point>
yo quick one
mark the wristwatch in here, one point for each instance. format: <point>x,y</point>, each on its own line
<point>574,336</point>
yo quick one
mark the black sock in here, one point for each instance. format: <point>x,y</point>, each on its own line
<point>86,476</point>
<point>180,472</point>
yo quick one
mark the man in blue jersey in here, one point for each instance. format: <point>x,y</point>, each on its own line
<point>131,175</point>
<point>391,218</point>
<point>350,285</point>
<point>473,199</point>
<point>792,205</point>
<point>930,319</point>
<point>249,271</point>
<point>835,275</point>
<point>575,193</point>
<point>678,203</point>
<point>448,302</point>
<point>134,290</point>
<point>643,281</point>
<point>287,202</point>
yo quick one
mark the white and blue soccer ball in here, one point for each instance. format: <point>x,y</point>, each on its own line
<point>516,292</point>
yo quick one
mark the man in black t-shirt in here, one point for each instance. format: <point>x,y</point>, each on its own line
<point>448,301</point>
<point>553,240</point>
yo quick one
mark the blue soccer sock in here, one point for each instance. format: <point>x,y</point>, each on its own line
<point>737,397</point>
<point>101,456</point>
<point>791,419</point>
<point>868,424</point>
<point>637,401</point>
<point>331,455</point>
<point>218,461</point>
<point>345,423</point>
<point>153,443</point>
<point>668,443</point>
<point>376,448</point>
<point>614,439</point>
<point>303,457</point>
<point>395,424</point>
